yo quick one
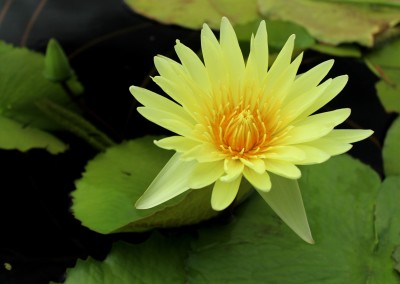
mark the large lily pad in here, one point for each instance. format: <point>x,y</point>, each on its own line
<point>342,197</point>
<point>391,150</point>
<point>105,196</point>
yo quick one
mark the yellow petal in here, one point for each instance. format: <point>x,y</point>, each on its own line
<point>315,126</point>
<point>193,66</point>
<point>309,80</point>
<point>224,193</point>
<point>285,199</point>
<point>282,61</point>
<point>213,58</point>
<point>259,181</point>
<point>335,87</point>
<point>170,182</point>
<point>167,120</point>
<point>233,55</point>
<point>260,49</point>
<point>282,168</point>
<point>203,153</point>
<point>205,174</point>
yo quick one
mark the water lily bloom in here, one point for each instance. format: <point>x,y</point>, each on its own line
<point>237,119</point>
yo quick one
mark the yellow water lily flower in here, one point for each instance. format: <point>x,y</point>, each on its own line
<point>236,119</point>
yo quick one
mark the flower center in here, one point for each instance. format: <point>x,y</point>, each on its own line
<point>239,132</point>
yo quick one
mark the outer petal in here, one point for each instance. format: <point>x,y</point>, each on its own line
<point>259,181</point>
<point>313,155</point>
<point>224,193</point>
<point>170,182</point>
<point>285,199</point>
<point>205,174</point>
<point>285,153</point>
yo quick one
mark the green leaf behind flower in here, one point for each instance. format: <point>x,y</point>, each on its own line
<point>105,196</point>
<point>342,198</point>
<point>391,150</point>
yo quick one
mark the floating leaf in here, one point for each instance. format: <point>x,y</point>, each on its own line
<point>22,85</point>
<point>23,138</point>
<point>128,264</point>
<point>105,196</point>
<point>193,14</point>
<point>333,23</point>
<point>391,150</point>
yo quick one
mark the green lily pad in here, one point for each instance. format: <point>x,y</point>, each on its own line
<point>128,264</point>
<point>333,23</point>
<point>389,95</point>
<point>23,138</point>
<point>105,196</point>
<point>22,85</point>
<point>353,216</point>
<point>391,150</point>
<point>193,14</point>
